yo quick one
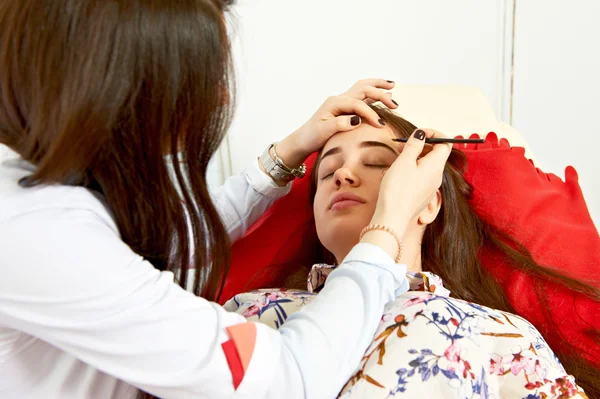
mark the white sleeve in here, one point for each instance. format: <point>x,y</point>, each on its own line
<point>242,199</point>
<point>329,336</point>
<point>69,280</point>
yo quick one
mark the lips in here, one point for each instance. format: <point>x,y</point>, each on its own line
<point>345,200</point>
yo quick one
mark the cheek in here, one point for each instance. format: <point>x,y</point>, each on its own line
<point>319,204</point>
<point>319,214</point>
<point>373,179</point>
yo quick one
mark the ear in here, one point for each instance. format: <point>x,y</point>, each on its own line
<point>431,211</point>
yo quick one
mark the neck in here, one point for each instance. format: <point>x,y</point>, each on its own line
<point>411,251</point>
<point>411,254</point>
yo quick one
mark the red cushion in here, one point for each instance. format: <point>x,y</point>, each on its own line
<point>546,215</point>
<point>281,240</point>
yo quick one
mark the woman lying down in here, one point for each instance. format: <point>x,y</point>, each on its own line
<point>452,334</point>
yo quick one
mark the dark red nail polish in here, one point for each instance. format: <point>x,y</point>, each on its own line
<point>355,120</point>
<point>381,122</point>
<point>390,81</point>
<point>419,134</point>
<point>395,103</point>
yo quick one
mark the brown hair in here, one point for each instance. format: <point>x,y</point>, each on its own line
<point>451,247</point>
<point>96,93</point>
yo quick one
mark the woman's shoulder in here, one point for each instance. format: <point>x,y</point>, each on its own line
<point>424,301</point>
<point>427,342</point>
<point>59,240</point>
<point>21,205</point>
<point>51,226</point>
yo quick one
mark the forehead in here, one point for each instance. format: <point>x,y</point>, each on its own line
<point>358,135</point>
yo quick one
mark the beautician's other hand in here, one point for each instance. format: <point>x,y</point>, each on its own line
<point>410,184</point>
<point>337,114</point>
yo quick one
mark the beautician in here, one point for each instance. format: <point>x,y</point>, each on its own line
<point>112,111</point>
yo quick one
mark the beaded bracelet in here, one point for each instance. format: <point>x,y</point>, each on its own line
<point>387,230</point>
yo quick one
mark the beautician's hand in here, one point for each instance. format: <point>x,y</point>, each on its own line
<point>338,114</point>
<point>408,186</point>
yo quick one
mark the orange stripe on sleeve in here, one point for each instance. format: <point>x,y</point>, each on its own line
<point>244,337</point>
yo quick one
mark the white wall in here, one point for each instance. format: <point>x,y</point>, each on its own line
<point>292,55</point>
<point>556,101</point>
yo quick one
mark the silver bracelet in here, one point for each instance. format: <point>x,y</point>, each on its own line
<point>300,171</point>
<point>275,167</point>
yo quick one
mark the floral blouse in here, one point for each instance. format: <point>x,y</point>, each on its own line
<point>429,345</point>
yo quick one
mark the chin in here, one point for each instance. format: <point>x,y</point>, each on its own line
<point>340,232</point>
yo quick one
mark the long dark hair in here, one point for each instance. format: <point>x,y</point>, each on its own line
<point>97,93</point>
<point>451,248</point>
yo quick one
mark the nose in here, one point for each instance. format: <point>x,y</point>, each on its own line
<point>345,176</point>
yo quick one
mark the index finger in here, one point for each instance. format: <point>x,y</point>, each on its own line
<point>358,88</point>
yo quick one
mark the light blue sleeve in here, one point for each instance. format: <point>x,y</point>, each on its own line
<point>326,340</point>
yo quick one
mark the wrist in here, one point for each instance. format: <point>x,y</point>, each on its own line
<point>383,240</point>
<point>262,168</point>
<point>398,223</point>
<point>270,163</point>
<point>386,245</point>
<point>291,152</point>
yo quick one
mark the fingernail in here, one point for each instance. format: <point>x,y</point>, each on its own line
<point>395,103</point>
<point>390,81</point>
<point>355,120</point>
<point>381,122</point>
<point>419,134</point>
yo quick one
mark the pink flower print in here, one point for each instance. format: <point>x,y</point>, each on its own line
<point>251,311</point>
<point>260,303</point>
<point>527,362</point>
<point>452,353</point>
<point>272,296</point>
<point>455,362</point>
<point>496,365</point>
<point>519,363</point>
<point>453,358</point>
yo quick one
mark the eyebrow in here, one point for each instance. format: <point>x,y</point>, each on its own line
<point>364,144</point>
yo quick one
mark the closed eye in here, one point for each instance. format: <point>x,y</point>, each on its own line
<point>380,166</point>
<point>368,165</point>
<point>327,176</point>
